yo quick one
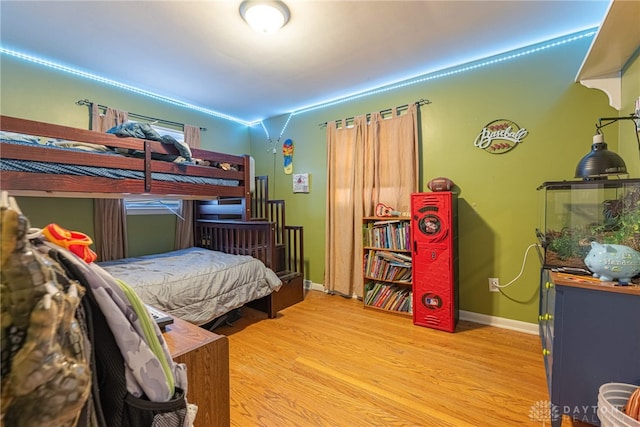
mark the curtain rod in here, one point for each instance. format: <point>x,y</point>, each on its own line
<point>386,111</point>
<point>136,115</point>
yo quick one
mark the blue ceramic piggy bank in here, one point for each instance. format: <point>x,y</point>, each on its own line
<point>611,262</point>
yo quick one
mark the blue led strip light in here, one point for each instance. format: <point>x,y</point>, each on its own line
<point>110,82</point>
<point>381,89</point>
<point>452,71</point>
<point>267,132</point>
<point>285,125</point>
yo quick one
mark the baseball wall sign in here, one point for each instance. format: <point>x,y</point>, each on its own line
<point>500,136</point>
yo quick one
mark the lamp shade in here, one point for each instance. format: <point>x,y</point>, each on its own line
<point>600,162</point>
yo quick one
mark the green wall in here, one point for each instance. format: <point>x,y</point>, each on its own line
<point>499,205</point>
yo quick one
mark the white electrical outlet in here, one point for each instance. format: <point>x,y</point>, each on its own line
<point>494,284</point>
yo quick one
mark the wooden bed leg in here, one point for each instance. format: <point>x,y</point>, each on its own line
<point>271,313</point>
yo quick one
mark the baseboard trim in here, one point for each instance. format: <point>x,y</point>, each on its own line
<point>500,322</point>
<point>310,286</point>
<point>483,319</point>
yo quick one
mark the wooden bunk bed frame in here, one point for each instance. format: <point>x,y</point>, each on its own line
<point>50,185</point>
<point>278,246</point>
<point>262,238</point>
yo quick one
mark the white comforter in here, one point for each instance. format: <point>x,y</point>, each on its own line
<point>195,284</point>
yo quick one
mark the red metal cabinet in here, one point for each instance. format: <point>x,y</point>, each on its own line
<point>434,259</point>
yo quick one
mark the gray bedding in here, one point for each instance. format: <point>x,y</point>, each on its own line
<point>92,171</point>
<point>195,284</point>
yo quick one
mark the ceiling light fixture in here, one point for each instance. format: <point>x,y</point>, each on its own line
<point>264,16</point>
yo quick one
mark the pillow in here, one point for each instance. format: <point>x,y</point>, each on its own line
<point>12,136</point>
<point>182,147</point>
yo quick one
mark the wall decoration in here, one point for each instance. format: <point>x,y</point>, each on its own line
<point>300,182</point>
<point>500,136</point>
<point>287,152</point>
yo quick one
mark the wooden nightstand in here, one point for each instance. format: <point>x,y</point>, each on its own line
<point>207,358</point>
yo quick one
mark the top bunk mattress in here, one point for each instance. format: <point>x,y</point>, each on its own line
<point>17,165</point>
<point>45,159</point>
<point>195,284</point>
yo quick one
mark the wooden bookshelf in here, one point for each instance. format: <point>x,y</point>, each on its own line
<point>387,266</point>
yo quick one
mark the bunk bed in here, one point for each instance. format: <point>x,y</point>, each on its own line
<point>42,159</point>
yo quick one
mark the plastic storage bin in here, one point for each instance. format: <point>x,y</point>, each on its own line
<point>612,397</point>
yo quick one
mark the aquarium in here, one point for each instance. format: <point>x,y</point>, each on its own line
<point>575,213</point>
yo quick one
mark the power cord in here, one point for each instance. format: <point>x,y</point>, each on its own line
<point>533,245</point>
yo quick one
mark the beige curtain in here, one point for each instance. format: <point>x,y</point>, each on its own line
<point>192,136</point>
<point>110,118</point>
<point>109,215</point>
<point>368,163</point>
<point>110,223</point>
<point>184,225</point>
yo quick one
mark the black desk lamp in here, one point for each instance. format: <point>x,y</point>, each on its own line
<point>600,162</point>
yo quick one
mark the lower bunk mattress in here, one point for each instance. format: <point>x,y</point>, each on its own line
<point>195,284</point>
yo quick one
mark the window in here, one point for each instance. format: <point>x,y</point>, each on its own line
<point>177,134</point>
<point>141,206</point>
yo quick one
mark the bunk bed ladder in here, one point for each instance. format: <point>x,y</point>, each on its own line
<point>285,255</point>
<point>288,250</point>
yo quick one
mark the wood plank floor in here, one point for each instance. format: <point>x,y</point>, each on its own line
<point>328,362</point>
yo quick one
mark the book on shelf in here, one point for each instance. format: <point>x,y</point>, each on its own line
<point>383,265</point>
<point>403,257</point>
<point>394,257</point>
<point>397,301</point>
<point>407,304</point>
<point>386,221</point>
<point>388,296</point>
<point>373,292</point>
<point>382,294</point>
<point>390,234</point>
<point>390,301</point>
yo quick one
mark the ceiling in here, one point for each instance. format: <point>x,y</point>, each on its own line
<point>203,53</point>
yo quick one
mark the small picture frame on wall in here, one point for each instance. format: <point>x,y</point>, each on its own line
<point>300,182</point>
